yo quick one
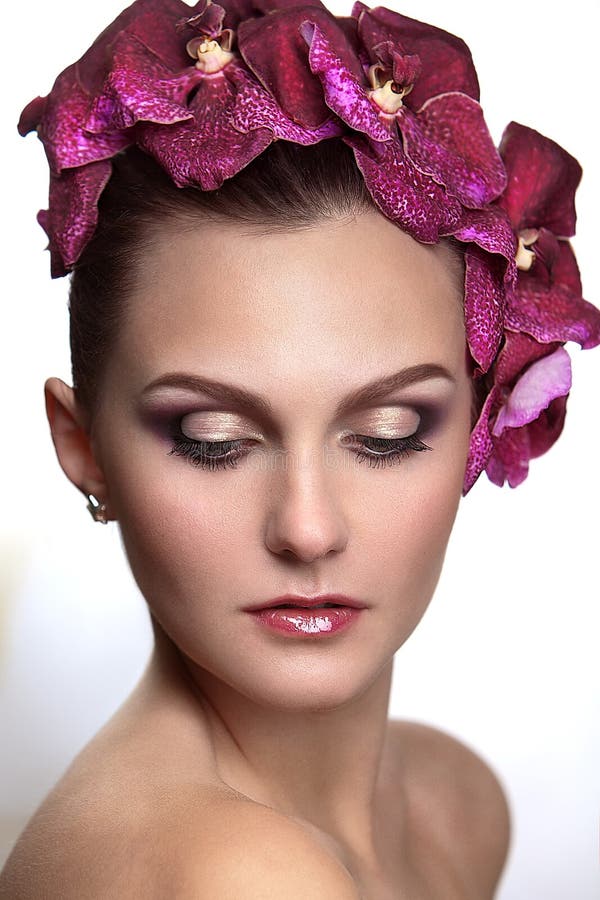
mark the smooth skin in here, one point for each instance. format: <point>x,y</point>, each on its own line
<point>246,765</point>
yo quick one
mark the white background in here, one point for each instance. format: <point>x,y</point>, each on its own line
<point>507,656</point>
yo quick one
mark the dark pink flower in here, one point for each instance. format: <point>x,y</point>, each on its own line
<point>166,77</point>
<point>441,126</point>
<point>524,411</point>
<point>540,202</point>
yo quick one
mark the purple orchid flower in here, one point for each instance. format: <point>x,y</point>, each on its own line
<point>167,81</point>
<point>524,412</point>
<point>540,202</point>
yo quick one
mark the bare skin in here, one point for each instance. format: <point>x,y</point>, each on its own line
<point>296,730</point>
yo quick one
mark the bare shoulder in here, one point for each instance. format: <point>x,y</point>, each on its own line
<point>209,842</point>
<point>249,851</point>
<point>458,798</point>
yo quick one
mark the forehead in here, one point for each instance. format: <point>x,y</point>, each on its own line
<point>357,293</point>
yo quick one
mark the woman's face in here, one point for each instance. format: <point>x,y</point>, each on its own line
<point>302,320</point>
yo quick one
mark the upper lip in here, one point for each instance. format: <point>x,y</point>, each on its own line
<point>300,600</point>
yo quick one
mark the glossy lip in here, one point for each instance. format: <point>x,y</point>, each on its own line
<point>306,623</point>
<point>293,600</point>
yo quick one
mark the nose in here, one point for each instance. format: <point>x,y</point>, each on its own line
<point>306,519</point>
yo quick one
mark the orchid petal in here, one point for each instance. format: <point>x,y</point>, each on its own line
<point>206,149</point>
<point>552,313</point>
<point>490,229</point>
<point>255,108</point>
<point>518,351</point>
<point>66,145</point>
<point>73,212</point>
<point>275,51</point>
<point>517,446</point>
<point>509,460</point>
<point>344,93</point>
<point>542,180</point>
<point>447,64</point>
<point>140,87</point>
<point>448,139</point>
<point>412,200</point>
<point>480,444</point>
<point>544,380</point>
<point>484,306</point>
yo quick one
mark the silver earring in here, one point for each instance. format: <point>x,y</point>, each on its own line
<point>97,510</point>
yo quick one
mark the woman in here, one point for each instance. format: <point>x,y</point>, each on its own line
<point>250,733</point>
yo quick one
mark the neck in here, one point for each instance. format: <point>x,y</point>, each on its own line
<point>323,766</point>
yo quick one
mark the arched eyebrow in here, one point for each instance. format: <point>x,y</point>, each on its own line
<point>361,397</point>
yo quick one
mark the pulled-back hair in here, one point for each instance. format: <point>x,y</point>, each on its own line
<point>287,187</point>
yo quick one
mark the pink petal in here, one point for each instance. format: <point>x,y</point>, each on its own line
<point>480,445</point>
<point>565,269</point>
<point>542,180</point>
<point>490,229</point>
<point>446,60</point>
<point>153,23</point>
<point>518,351</point>
<point>344,93</point>
<point>403,194</point>
<point>484,306</point>
<point>65,142</point>
<point>140,87</point>
<point>552,313</point>
<point>547,428</point>
<point>510,458</point>
<point>449,140</point>
<point>517,446</point>
<point>255,108</point>
<point>276,52</point>
<point>72,217</point>
<point>32,115</point>
<point>206,149</point>
<point>544,380</point>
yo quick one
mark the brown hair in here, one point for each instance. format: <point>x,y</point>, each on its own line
<point>287,187</point>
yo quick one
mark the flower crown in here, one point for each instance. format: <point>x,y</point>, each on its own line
<point>205,89</point>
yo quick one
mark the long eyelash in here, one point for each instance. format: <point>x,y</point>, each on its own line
<point>197,452</point>
<point>398,448</point>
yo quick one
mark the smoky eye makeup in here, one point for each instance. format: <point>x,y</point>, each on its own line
<point>217,440</point>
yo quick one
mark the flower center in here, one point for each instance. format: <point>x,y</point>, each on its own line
<point>209,54</point>
<point>389,96</point>
<point>524,257</point>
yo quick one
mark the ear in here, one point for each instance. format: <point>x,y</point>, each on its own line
<point>70,434</point>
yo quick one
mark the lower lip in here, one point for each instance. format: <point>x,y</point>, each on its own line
<point>313,623</point>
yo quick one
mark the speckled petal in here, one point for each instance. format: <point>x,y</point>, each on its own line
<point>206,149</point>
<point>552,314</point>
<point>484,306</point>
<point>543,381</point>
<point>140,87</point>
<point>490,229</point>
<point>547,428</point>
<point>517,446</point>
<point>509,460</point>
<point>542,180</point>
<point>73,212</point>
<point>152,22</point>
<point>446,60</point>
<point>65,142</point>
<point>412,200</point>
<point>518,351</point>
<point>344,93</point>
<point>480,445</point>
<point>255,108</point>
<point>276,52</point>
<point>449,140</point>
